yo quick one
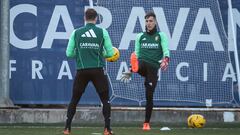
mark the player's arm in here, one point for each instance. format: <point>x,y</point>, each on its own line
<point>166,54</point>
<point>107,46</point>
<point>137,44</point>
<point>164,43</point>
<point>71,52</point>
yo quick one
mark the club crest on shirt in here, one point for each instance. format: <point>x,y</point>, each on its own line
<point>156,38</point>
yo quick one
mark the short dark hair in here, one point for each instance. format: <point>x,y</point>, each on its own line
<point>90,14</point>
<point>149,14</point>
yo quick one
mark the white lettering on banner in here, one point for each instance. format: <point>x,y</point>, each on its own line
<point>64,73</point>
<point>159,74</point>
<point>229,73</point>
<point>137,13</point>
<point>178,70</point>
<point>128,35</point>
<point>106,19</point>
<point>36,68</point>
<point>51,34</point>
<point>65,70</point>
<point>205,74</point>
<point>12,68</point>
<point>14,12</point>
<point>236,22</point>
<point>178,29</point>
<point>196,36</point>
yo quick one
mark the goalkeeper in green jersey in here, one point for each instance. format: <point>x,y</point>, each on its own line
<point>151,53</point>
<point>90,45</point>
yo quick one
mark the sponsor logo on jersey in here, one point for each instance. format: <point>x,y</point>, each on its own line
<point>89,45</point>
<point>149,45</point>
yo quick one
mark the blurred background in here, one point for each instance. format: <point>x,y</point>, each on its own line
<point>202,70</point>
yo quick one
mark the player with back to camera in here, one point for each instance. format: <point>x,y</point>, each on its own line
<point>90,45</point>
<point>151,53</point>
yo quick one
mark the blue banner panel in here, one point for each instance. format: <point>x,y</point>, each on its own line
<point>200,73</point>
<point>39,32</point>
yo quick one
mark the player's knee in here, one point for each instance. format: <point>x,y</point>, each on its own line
<point>106,103</point>
<point>104,96</point>
<point>150,85</point>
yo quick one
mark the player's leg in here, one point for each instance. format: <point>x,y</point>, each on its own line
<point>150,85</point>
<point>142,68</point>
<point>80,82</point>
<point>134,62</point>
<point>104,96</point>
<point>100,82</point>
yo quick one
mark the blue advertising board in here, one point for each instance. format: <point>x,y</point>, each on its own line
<point>201,70</point>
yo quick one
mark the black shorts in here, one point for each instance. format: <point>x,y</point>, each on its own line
<point>149,71</point>
<point>97,76</point>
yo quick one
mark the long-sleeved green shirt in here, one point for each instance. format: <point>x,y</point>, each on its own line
<point>89,45</point>
<point>152,48</point>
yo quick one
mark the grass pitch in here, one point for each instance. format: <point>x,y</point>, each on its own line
<point>118,130</point>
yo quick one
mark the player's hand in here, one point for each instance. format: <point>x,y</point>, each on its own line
<point>164,63</point>
<point>126,77</point>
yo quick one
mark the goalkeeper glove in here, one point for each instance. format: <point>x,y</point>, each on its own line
<point>126,76</point>
<point>164,63</point>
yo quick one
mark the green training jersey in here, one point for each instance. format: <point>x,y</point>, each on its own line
<point>89,45</point>
<point>151,48</point>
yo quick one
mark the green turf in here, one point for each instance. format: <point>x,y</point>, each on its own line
<point>35,130</point>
